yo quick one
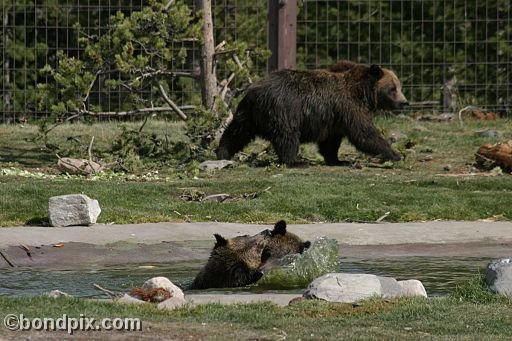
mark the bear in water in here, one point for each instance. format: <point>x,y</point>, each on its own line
<point>238,261</point>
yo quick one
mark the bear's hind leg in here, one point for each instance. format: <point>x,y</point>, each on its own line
<point>234,139</point>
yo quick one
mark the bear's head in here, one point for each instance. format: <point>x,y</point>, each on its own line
<point>281,243</point>
<point>389,89</point>
<point>384,83</point>
<point>237,259</point>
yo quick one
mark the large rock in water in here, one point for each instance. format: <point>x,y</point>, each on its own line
<point>298,270</point>
<point>499,276</point>
<point>73,209</point>
<point>350,288</point>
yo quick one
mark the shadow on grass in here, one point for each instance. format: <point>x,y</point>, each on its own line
<point>28,157</point>
<point>38,221</point>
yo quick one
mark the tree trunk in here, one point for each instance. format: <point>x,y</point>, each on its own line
<point>207,51</point>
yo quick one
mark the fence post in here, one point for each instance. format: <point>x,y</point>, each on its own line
<point>282,34</point>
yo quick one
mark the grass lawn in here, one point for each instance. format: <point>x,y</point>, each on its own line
<point>437,180</point>
<point>441,318</point>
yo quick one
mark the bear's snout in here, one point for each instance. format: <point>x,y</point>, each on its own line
<point>403,104</point>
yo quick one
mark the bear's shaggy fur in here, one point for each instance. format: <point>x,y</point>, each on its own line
<point>281,243</point>
<point>238,261</point>
<point>290,107</point>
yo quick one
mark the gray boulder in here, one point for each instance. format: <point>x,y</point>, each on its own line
<point>499,276</point>
<point>412,287</point>
<point>350,288</point>
<point>73,209</point>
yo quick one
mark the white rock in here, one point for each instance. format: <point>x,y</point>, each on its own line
<point>129,299</point>
<point>412,287</point>
<point>172,303</point>
<point>214,164</point>
<point>73,209</point>
<point>499,276</point>
<point>350,288</point>
<point>164,283</point>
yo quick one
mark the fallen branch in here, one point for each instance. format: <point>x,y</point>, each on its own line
<point>4,256</point>
<point>169,101</point>
<point>110,293</point>
<point>384,216</point>
<point>134,112</point>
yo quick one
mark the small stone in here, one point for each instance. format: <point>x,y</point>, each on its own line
<point>57,293</point>
<point>412,287</point>
<point>164,283</point>
<point>214,164</point>
<point>172,303</point>
<point>491,133</point>
<point>73,209</point>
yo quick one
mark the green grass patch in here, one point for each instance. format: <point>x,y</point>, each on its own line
<point>429,184</point>
<point>307,320</point>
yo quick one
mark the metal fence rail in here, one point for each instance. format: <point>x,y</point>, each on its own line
<point>447,53</point>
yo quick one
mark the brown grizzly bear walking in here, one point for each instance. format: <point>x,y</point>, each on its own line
<point>238,261</point>
<point>290,107</point>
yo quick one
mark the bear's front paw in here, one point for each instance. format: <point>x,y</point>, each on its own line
<point>395,156</point>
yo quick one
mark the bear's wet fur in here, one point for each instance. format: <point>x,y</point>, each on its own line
<point>238,261</point>
<point>282,243</point>
<point>290,107</point>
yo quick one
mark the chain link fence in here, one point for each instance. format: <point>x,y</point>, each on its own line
<point>448,54</point>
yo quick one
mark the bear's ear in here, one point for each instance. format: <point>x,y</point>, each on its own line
<point>376,71</point>
<point>221,241</point>
<point>279,228</point>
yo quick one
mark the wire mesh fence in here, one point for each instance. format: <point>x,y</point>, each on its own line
<point>448,54</point>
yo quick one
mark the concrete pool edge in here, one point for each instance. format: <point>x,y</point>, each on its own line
<point>176,242</point>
